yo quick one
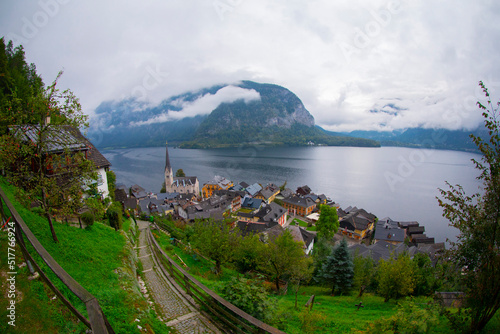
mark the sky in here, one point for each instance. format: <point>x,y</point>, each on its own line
<point>356,65</point>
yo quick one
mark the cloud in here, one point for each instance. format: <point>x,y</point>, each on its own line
<point>203,105</point>
<point>342,58</point>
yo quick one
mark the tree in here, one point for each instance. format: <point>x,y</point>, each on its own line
<point>301,273</point>
<point>338,269</point>
<point>364,272</point>
<point>215,240</point>
<point>477,217</point>
<point>395,277</point>
<point>283,256</point>
<point>111,176</point>
<point>248,253</point>
<point>180,173</point>
<point>424,271</point>
<point>48,150</point>
<point>328,222</point>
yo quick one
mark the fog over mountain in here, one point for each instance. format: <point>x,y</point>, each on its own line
<point>356,65</point>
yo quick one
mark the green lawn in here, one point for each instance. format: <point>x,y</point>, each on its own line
<point>98,259</point>
<point>301,223</point>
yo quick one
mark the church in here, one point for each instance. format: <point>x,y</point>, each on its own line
<point>182,185</point>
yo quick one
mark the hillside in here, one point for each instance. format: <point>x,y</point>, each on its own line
<point>243,113</point>
<point>424,138</point>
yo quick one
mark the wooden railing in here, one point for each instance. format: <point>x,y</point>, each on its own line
<point>234,319</point>
<point>97,322</point>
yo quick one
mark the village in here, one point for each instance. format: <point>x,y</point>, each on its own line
<point>270,209</point>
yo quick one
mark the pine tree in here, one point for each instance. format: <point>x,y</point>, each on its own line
<point>338,270</point>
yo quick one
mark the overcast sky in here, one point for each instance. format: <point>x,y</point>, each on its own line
<point>374,64</point>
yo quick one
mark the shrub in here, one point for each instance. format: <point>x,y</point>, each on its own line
<point>88,219</point>
<point>114,218</point>
<point>251,297</point>
<point>410,318</point>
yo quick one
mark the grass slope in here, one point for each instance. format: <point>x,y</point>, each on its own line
<point>330,314</point>
<point>99,259</point>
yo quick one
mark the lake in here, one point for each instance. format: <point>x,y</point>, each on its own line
<point>400,183</point>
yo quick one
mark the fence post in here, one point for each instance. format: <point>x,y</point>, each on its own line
<point>20,240</point>
<point>186,283</point>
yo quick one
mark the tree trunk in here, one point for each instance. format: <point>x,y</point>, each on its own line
<point>277,282</point>
<point>296,293</point>
<point>80,221</point>
<point>362,290</point>
<point>49,218</point>
<point>217,268</point>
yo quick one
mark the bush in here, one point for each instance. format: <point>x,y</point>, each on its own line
<point>88,219</point>
<point>251,297</point>
<point>410,318</point>
<point>114,218</point>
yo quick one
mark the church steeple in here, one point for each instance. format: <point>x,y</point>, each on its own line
<point>169,177</point>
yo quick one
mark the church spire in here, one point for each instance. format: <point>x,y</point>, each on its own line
<point>167,159</point>
<point>169,177</point>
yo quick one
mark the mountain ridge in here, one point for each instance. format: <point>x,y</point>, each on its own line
<point>260,113</point>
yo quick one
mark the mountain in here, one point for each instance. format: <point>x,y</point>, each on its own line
<point>425,138</point>
<point>246,113</point>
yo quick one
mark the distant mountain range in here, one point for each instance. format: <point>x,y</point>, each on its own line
<point>247,113</point>
<point>425,138</point>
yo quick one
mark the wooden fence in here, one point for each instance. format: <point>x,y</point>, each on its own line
<point>97,322</point>
<point>233,319</point>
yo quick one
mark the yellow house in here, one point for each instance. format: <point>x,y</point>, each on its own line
<point>218,183</point>
<point>268,194</point>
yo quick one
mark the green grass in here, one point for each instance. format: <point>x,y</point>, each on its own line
<point>198,267</point>
<point>340,315</point>
<point>96,259</point>
<point>299,222</point>
<point>330,314</point>
<point>304,224</point>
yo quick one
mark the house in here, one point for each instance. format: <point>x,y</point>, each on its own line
<point>354,226</point>
<point>249,227</point>
<point>253,189</point>
<point>214,207</point>
<point>153,206</point>
<point>120,195</point>
<point>299,205</point>
<point>101,163</point>
<point>302,191</point>
<point>299,234</point>
<point>285,193</point>
<point>389,231</point>
<point>419,239</point>
<point>236,198</point>
<point>138,192</point>
<point>218,183</point>
<point>251,203</point>
<point>268,194</point>
<point>385,250</point>
<point>244,185</point>
<point>237,187</point>
<point>272,212</point>
<point>183,185</point>
<point>61,139</point>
